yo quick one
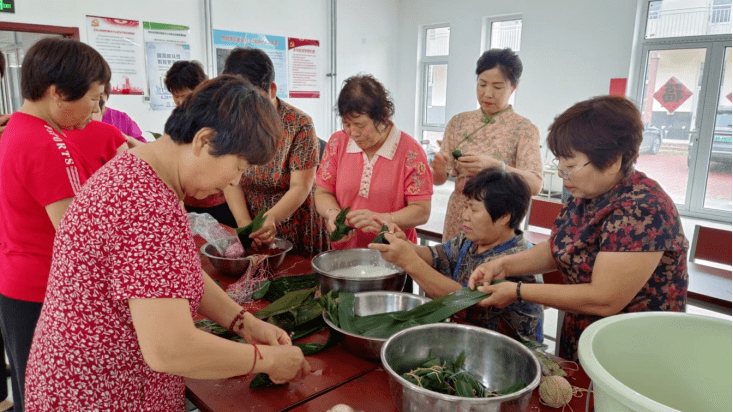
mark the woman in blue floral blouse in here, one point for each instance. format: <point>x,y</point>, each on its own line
<point>618,240</point>
<point>497,203</point>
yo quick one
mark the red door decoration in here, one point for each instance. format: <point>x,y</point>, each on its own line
<point>672,94</point>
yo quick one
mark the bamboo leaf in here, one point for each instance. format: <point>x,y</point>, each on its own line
<point>380,237</point>
<point>346,311</point>
<point>286,303</point>
<point>341,228</point>
<point>255,225</point>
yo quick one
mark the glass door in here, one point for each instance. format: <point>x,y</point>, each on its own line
<point>682,96</point>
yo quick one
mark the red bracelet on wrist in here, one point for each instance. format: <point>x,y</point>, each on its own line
<point>240,316</point>
<point>257,352</point>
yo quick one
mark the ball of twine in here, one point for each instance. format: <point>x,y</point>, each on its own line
<point>555,391</point>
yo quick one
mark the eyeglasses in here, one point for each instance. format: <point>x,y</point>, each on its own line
<point>563,174</point>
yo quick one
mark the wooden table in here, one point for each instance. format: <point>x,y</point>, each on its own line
<point>339,377</point>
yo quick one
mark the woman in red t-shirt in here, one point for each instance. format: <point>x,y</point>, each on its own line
<point>41,170</point>
<point>126,276</point>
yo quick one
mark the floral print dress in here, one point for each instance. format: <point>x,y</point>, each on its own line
<point>636,215</point>
<point>265,185</point>
<point>508,137</point>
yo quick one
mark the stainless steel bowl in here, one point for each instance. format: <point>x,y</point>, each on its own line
<point>236,267</point>
<point>372,303</point>
<point>498,361</point>
<point>327,262</point>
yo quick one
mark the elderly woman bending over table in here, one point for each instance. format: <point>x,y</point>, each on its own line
<point>492,136</point>
<point>372,167</point>
<point>618,240</point>
<point>116,329</point>
<point>497,203</point>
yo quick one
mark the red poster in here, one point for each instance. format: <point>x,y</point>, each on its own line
<point>672,94</point>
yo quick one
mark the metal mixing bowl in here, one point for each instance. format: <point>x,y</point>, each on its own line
<point>327,262</point>
<point>236,267</point>
<point>498,361</point>
<point>372,303</point>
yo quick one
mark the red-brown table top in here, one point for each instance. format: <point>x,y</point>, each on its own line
<point>339,377</point>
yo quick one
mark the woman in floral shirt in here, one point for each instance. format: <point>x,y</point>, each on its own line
<point>498,201</point>
<point>372,167</point>
<point>618,240</point>
<point>116,330</point>
<point>492,136</point>
<point>284,186</point>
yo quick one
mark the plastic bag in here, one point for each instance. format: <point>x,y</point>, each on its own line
<point>204,225</point>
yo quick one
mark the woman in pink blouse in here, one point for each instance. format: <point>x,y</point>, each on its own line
<point>492,136</point>
<point>372,167</point>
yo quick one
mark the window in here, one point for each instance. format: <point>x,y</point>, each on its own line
<point>434,79</point>
<point>682,18</point>
<point>504,32</point>
<point>684,86</point>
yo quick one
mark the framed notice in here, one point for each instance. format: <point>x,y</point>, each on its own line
<point>120,42</point>
<point>165,44</point>
<point>303,77</point>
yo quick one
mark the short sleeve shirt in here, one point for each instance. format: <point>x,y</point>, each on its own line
<point>636,215</point>
<point>124,123</point>
<point>124,237</point>
<point>504,136</point>
<point>265,185</point>
<point>38,166</point>
<point>98,142</point>
<point>397,173</point>
<point>520,319</point>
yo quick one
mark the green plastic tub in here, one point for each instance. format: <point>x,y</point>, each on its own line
<point>658,361</point>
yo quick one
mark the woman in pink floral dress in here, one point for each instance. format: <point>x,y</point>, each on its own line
<point>492,136</point>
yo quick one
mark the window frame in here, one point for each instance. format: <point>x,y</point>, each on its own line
<point>694,206</point>
<point>425,62</point>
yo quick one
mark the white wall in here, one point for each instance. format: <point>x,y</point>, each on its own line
<point>368,42</point>
<point>570,51</point>
<point>73,14</point>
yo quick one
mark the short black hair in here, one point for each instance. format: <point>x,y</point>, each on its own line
<point>68,64</point>
<point>183,75</point>
<point>502,192</point>
<point>252,64</point>
<point>246,123</point>
<point>363,94</point>
<point>507,61</point>
<point>603,128</point>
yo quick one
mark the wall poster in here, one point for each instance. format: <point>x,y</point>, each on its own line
<point>165,44</point>
<point>120,42</point>
<point>274,46</point>
<point>303,78</point>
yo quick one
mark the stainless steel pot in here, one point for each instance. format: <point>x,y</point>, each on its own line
<point>325,263</point>
<point>236,267</point>
<point>498,361</point>
<point>372,303</point>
